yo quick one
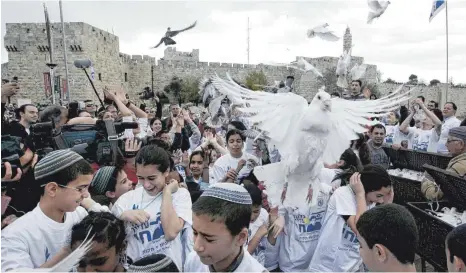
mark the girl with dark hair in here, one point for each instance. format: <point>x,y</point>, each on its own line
<point>338,247</point>
<point>158,210</point>
<point>235,165</point>
<point>107,253</point>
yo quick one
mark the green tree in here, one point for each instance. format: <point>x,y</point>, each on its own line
<point>413,79</point>
<point>434,82</point>
<point>173,89</point>
<point>389,80</point>
<point>190,90</point>
<point>329,80</point>
<point>256,78</point>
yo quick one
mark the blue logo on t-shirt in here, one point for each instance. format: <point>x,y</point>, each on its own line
<point>149,231</point>
<point>349,235</point>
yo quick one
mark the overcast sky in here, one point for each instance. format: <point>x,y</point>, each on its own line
<point>400,43</point>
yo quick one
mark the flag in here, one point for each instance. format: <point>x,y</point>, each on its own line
<point>437,6</point>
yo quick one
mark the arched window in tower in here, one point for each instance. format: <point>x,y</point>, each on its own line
<point>100,77</point>
<point>126,77</point>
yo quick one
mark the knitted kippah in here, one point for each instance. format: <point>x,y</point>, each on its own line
<point>459,132</point>
<point>55,162</point>
<point>153,263</point>
<point>101,179</point>
<point>230,192</point>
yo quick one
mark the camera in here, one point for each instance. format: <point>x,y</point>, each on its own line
<point>14,162</point>
<point>146,94</point>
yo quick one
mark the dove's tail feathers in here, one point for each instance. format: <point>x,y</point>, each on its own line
<point>371,17</point>
<point>67,264</point>
<point>310,33</point>
<point>341,82</point>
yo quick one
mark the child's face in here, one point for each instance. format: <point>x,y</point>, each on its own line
<point>151,178</point>
<point>377,196</point>
<point>213,241</point>
<point>256,210</point>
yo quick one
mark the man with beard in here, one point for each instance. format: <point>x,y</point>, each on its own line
<point>375,144</point>
<point>28,115</point>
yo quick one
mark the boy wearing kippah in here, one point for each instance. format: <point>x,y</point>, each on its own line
<point>35,239</point>
<point>221,218</point>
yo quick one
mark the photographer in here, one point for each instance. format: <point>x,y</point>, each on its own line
<point>28,114</point>
<point>8,90</point>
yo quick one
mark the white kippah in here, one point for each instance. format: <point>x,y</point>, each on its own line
<point>230,192</point>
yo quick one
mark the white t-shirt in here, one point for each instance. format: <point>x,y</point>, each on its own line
<point>248,264</point>
<point>226,162</point>
<point>392,134</point>
<point>447,124</point>
<point>259,252</point>
<point>34,238</point>
<point>187,241</point>
<point>149,238</point>
<point>338,246</point>
<point>423,140</point>
<point>303,227</point>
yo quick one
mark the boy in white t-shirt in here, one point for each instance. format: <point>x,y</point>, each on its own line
<point>157,211</point>
<point>382,249</point>
<point>338,246</point>
<point>40,237</point>
<point>258,228</point>
<point>221,217</point>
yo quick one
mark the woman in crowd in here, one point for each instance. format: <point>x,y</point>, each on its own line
<point>235,165</point>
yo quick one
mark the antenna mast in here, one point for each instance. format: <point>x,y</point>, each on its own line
<point>248,47</point>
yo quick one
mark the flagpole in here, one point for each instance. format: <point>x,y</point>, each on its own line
<point>446,28</point>
<point>67,85</point>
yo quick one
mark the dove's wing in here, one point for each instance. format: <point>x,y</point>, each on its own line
<point>276,114</point>
<point>215,104</point>
<point>310,67</point>
<point>358,71</point>
<point>176,32</point>
<point>348,118</point>
<point>374,5</point>
<point>328,36</point>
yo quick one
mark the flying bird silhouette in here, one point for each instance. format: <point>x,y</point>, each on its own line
<point>377,8</point>
<point>167,39</point>
<point>323,33</point>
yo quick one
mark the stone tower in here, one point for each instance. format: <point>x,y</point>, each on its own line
<point>347,40</point>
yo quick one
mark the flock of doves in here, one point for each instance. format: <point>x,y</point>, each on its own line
<point>218,105</point>
<point>376,9</point>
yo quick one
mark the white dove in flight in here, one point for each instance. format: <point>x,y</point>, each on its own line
<point>358,71</point>
<point>323,33</point>
<point>305,66</point>
<point>342,69</point>
<point>307,135</point>
<point>377,8</point>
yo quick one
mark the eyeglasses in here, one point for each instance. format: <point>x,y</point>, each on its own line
<point>79,189</point>
<point>451,140</point>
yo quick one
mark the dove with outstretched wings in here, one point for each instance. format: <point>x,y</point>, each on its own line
<point>307,135</point>
<point>377,8</point>
<point>167,39</point>
<point>323,33</point>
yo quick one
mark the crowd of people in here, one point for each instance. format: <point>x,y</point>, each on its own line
<point>182,195</point>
